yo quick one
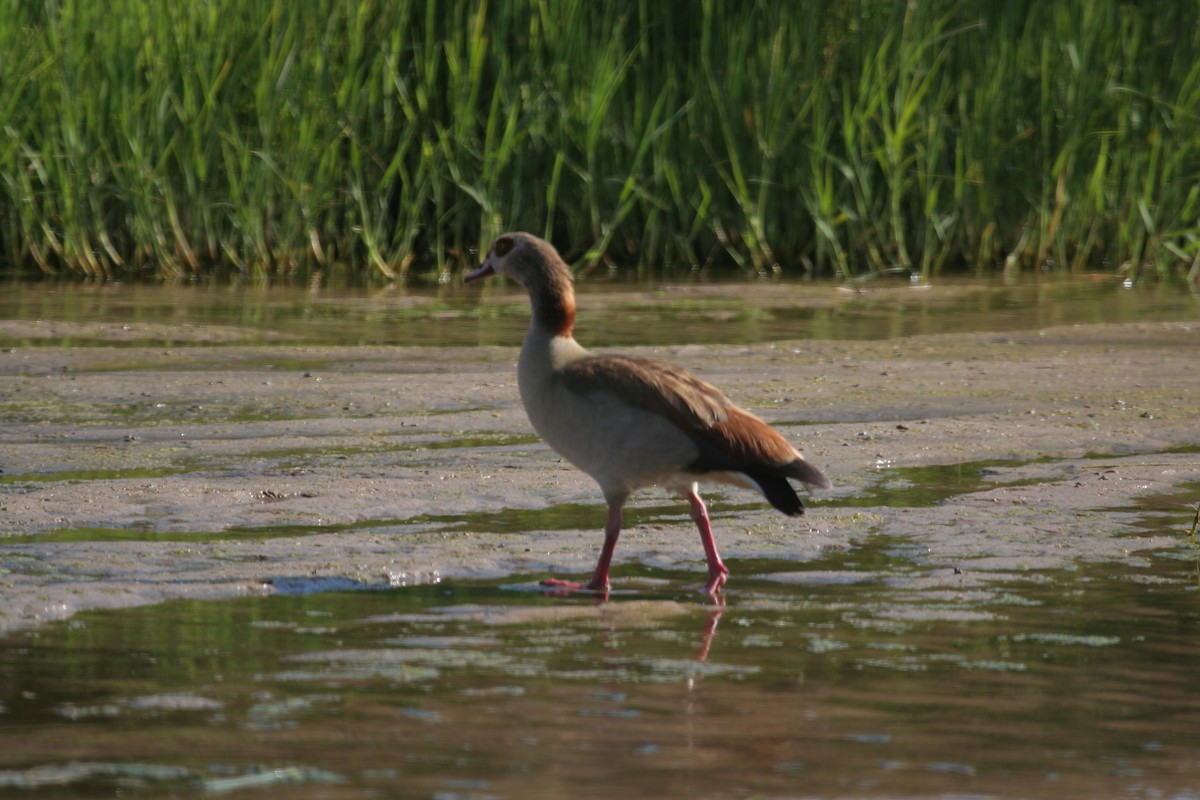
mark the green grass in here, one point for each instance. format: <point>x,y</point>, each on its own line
<point>270,138</point>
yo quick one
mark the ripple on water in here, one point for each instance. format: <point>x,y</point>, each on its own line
<point>419,688</point>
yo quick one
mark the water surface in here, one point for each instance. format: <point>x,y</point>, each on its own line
<point>611,313</point>
<point>860,675</point>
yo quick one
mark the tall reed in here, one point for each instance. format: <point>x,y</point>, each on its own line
<point>273,138</point>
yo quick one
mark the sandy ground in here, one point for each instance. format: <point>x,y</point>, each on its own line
<point>137,475</point>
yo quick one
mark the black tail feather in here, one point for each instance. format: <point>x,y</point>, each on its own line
<point>780,494</point>
<point>801,470</point>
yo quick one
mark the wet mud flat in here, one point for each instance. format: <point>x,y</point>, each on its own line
<point>134,475</point>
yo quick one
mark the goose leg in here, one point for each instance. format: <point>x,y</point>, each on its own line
<point>717,571</point>
<point>599,582</point>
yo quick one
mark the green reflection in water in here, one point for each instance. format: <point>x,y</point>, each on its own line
<point>616,313</point>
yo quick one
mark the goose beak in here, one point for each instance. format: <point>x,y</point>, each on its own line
<point>485,271</point>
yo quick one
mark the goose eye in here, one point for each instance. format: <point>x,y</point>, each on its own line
<point>502,246</point>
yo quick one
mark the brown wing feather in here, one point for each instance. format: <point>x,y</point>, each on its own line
<point>653,385</point>
<point>747,438</point>
<point>730,438</point>
<point>748,444</point>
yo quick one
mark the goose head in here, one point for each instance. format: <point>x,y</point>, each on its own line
<point>520,256</point>
<point>536,265</point>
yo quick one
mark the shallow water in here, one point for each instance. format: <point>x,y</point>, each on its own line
<point>611,313</point>
<point>860,674</point>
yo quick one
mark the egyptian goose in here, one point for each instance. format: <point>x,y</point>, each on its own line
<point>630,421</point>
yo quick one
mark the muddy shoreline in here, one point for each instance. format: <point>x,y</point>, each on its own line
<point>135,475</point>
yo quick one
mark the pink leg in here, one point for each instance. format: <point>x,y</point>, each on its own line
<point>717,571</point>
<point>599,582</point>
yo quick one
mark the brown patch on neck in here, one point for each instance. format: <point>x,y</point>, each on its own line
<point>564,320</point>
<point>553,299</point>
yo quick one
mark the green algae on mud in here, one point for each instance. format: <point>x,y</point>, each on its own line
<point>78,476</point>
<point>896,487</point>
<point>560,517</point>
<point>299,456</point>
